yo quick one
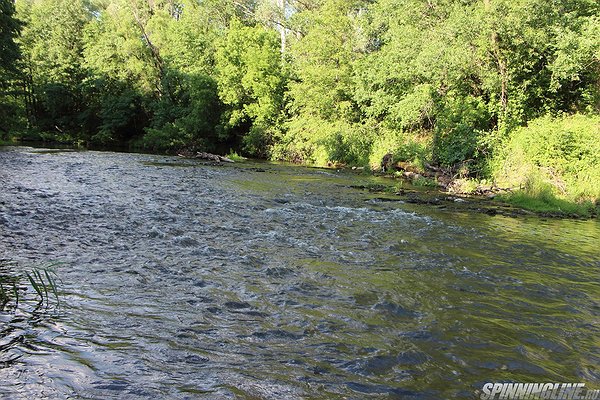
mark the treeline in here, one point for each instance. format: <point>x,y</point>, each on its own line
<point>443,82</point>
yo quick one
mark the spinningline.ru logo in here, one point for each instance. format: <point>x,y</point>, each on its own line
<point>549,391</point>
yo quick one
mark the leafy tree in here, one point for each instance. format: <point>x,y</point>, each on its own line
<point>575,68</point>
<point>187,118</point>
<point>9,30</point>
<point>163,54</point>
<point>251,84</point>
<point>322,81</point>
<point>321,102</point>
<point>9,55</point>
<point>115,113</point>
<point>186,36</point>
<point>115,47</point>
<point>461,69</point>
<point>323,59</point>
<point>520,40</point>
<point>52,43</point>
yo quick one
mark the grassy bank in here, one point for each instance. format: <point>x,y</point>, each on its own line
<point>551,206</point>
<point>554,163</point>
<point>550,167</point>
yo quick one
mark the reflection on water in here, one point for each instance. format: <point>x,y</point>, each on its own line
<point>266,281</point>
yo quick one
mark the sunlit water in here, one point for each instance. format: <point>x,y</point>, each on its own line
<point>260,281</point>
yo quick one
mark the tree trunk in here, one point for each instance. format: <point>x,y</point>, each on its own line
<point>282,7</point>
<point>501,65</point>
<point>156,57</point>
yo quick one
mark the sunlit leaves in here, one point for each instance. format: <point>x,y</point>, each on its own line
<point>250,78</point>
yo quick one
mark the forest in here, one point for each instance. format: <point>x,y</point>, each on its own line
<point>502,92</point>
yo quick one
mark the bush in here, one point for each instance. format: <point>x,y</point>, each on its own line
<point>300,141</point>
<point>456,146</point>
<point>557,156</point>
<point>319,142</point>
<point>167,139</point>
<point>461,130</point>
<point>259,140</point>
<point>349,143</point>
<point>186,118</point>
<point>538,195</point>
<point>404,147</point>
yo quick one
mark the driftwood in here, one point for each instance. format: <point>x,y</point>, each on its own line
<point>207,156</point>
<point>432,168</point>
<point>212,157</point>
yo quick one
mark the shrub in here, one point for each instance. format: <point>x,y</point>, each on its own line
<point>456,145</point>
<point>169,138</point>
<point>404,147</point>
<point>558,156</point>
<point>460,133</point>
<point>316,141</point>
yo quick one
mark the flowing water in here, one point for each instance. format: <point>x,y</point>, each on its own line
<point>261,281</point>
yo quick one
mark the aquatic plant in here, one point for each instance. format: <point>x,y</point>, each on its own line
<point>42,280</point>
<point>43,287</point>
<point>8,288</point>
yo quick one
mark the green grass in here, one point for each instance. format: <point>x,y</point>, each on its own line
<point>563,152</point>
<point>235,156</point>
<point>424,182</point>
<point>43,284</point>
<point>8,291</point>
<point>555,163</point>
<point>549,205</point>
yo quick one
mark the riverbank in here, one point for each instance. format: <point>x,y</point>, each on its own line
<point>430,186</point>
<point>505,205</point>
<point>468,195</point>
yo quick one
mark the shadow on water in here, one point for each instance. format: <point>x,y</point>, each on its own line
<point>264,281</point>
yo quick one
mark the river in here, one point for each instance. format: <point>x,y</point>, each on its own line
<point>263,281</point>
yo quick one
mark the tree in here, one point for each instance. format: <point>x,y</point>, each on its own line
<point>9,55</point>
<point>52,43</point>
<point>323,81</point>
<point>322,61</point>
<point>575,68</point>
<point>251,84</point>
<point>464,70</point>
<point>321,106</point>
<point>119,47</point>
<point>10,28</point>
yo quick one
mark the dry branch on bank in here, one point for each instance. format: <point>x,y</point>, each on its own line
<point>206,156</point>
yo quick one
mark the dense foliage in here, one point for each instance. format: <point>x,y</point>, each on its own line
<point>559,155</point>
<point>441,82</point>
<point>9,56</point>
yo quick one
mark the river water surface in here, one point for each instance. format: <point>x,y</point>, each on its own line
<point>260,281</point>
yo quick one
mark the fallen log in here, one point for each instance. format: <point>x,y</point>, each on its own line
<point>431,167</point>
<point>207,156</point>
<point>212,157</point>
